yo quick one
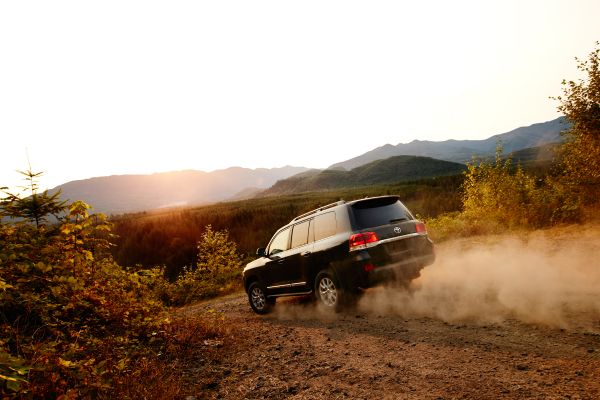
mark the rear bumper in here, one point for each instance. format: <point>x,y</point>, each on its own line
<point>402,271</point>
<point>382,264</point>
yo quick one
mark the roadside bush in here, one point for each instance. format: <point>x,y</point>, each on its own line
<point>217,271</point>
<point>456,224</point>
<point>493,194</point>
<point>75,324</point>
<point>498,196</point>
<point>554,202</point>
<point>71,320</point>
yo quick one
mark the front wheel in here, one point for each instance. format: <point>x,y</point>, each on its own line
<point>258,299</point>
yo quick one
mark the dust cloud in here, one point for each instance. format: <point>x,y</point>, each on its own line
<point>537,278</point>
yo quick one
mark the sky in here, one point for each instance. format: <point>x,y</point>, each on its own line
<point>126,87</point>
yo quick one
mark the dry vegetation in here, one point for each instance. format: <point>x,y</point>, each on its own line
<point>75,324</point>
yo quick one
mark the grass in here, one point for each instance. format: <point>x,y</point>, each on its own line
<point>193,341</point>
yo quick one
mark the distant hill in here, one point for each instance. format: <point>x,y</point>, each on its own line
<point>545,154</point>
<point>537,160</point>
<point>463,150</point>
<point>391,170</point>
<point>129,193</point>
<point>247,193</point>
<point>386,164</point>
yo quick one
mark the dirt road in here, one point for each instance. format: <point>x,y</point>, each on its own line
<point>299,352</point>
<point>367,356</point>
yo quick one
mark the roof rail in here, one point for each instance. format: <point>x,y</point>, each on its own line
<point>337,203</point>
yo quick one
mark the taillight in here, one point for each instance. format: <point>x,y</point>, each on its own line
<point>421,228</point>
<point>359,241</point>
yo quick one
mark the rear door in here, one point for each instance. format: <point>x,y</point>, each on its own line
<point>386,216</point>
<point>327,244</point>
<point>394,225</point>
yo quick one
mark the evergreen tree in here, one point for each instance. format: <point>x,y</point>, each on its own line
<point>35,207</point>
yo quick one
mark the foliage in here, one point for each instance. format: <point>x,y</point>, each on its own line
<point>13,371</point>
<point>492,192</point>
<point>455,224</point>
<point>34,208</point>
<point>216,253</point>
<point>580,103</point>
<point>498,196</point>
<point>497,193</point>
<point>218,271</point>
<point>71,320</point>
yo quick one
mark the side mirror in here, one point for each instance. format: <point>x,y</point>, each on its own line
<point>261,252</point>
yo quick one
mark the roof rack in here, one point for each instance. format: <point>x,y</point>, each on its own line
<point>337,203</point>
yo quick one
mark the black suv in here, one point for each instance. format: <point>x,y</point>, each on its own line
<point>335,251</point>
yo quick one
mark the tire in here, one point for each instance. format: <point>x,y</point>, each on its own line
<point>328,291</point>
<point>258,299</point>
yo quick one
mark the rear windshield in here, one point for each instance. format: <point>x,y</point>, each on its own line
<point>377,212</point>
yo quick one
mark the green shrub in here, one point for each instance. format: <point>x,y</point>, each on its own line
<point>218,271</point>
<point>70,316</point>
<point>452,225</point>
<point>72,321</point>
<point>497,194</point>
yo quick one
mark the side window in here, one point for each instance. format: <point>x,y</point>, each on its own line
<point>279,242</point>
<point>325,225</point>
<point>300,234</point>
<point>311,231</point>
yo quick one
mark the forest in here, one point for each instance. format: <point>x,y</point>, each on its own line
<point>168,238</point>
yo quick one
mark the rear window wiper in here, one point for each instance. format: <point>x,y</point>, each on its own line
<point>398,220</point>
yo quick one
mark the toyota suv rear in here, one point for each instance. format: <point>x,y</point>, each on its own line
<point>337,250</point>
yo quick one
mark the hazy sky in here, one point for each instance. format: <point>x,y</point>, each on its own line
<point>114,87</point>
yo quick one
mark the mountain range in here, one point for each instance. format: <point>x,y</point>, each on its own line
<point>463,150</point>
<point>128,193</point>
<point>379,172</point>
<point>386,164</point>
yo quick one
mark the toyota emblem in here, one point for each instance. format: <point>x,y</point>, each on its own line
<point>397,229</point>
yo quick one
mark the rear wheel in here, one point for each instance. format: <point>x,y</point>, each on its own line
<point>327,290</point>
<point>258,299</point>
